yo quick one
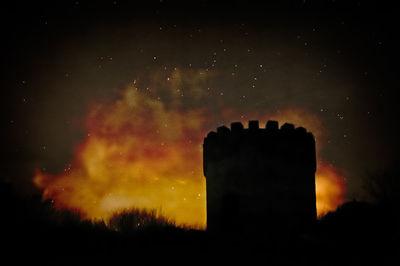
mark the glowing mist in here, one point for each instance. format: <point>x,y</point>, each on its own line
<point>139,153</point>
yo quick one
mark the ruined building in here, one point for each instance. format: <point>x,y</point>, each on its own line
<point>259,177</point>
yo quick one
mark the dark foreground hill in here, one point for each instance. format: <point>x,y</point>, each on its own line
<point>33,233</point>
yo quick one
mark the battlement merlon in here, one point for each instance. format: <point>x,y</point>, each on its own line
<point>270,139</point>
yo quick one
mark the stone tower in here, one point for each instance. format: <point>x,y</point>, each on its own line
<point>259,177</point>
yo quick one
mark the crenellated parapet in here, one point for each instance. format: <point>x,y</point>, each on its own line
<point>256,170</point>
<point>295,145</point>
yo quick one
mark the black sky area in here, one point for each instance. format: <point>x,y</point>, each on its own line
<point>50,50</point>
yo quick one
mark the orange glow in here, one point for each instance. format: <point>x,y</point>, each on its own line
<point>136,154</point>
<point>329,188</point>
<point>140,153</point>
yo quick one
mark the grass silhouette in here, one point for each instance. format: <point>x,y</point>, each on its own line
<point>134,220</point>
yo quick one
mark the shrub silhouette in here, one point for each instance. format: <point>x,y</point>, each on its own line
<point>134,220</point>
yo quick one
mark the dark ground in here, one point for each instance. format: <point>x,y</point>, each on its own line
<point>358,233</point>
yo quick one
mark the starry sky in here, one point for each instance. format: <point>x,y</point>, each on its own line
<point>334,59</point>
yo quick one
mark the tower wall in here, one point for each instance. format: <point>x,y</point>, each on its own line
<point>257,176</point>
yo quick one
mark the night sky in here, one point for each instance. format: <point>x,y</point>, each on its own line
<point>335,59</point>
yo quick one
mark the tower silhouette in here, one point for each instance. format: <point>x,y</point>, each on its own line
<point>258,178</point>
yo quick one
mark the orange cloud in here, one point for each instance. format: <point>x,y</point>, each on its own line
<point>141,153</point>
